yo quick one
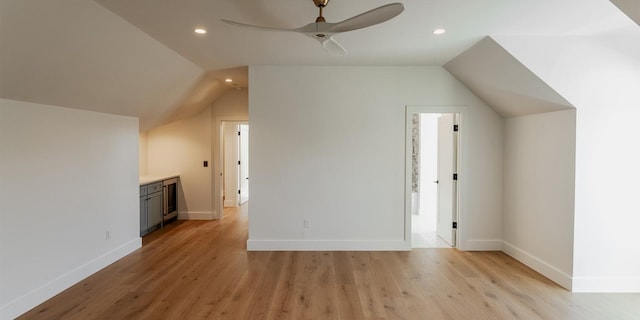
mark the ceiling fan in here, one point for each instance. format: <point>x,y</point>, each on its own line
<point>323,31</point>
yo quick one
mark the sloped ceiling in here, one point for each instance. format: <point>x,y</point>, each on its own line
<point>77,54</point>
<point>504,83</point>
<point>141,58</point>
<point>630,7</point>
<point>210,86</point>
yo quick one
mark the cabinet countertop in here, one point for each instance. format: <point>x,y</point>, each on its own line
<point>151,179</point>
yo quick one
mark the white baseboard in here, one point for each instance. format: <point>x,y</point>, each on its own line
<point>32,299</point>
<point>196,215</point>
<point>481,245</point>
<point>544,268</point>
<point>607,284</point>
<point>327,245</point>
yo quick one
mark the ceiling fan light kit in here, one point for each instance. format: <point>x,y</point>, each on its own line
<point>323,31</point>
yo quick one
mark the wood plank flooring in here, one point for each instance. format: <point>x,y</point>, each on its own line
<point>201,270</point>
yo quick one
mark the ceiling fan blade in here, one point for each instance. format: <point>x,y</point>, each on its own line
<point>367,19</point>
<point>333,47</point>
<point>240,24</point>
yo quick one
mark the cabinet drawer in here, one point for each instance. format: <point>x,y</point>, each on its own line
<point>143,191</point>
<point>154,187</point>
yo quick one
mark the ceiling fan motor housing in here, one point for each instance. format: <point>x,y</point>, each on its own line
<point>321,3</point>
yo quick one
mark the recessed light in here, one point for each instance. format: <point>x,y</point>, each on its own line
<point>200,31</point>
<point>228,80</point>
<point>439,31</point>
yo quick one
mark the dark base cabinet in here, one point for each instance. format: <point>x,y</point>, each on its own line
<point>143,210</point>
<point>150,207</point>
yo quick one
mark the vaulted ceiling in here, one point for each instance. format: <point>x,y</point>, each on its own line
<point>141,58</point>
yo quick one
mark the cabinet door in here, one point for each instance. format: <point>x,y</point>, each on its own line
<point>154,209</point>
<point>143,216</point>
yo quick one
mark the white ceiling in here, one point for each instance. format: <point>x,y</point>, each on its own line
<point>501,81</point>
<point>404,40</point>
<point>141,58</point>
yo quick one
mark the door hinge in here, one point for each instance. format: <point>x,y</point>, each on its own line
<point>238,191</point>
<point>238,162</point>
<point>455,225</point>
<point>455,128</point>
<point>455,176</point>
<point>238,132</point>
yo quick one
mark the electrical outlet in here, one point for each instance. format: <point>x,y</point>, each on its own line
<point>107,235</point>
<point>205,163</point>
<point>305,223</point>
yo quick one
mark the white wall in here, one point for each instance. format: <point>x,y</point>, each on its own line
<point>143,152</point>
<point>600,77</point>
<point>67,177</point>
<point>180,148</point>
<point>539,184</point>
<point>327,146</point>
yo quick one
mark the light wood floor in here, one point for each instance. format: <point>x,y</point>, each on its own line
<point>201,270</point>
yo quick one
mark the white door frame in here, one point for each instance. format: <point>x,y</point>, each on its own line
<point>462,167</point>
<point>218,153</point>
<point>243,168</point>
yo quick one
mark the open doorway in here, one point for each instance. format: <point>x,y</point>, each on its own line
<point>435,151</point>
<point>235,166</point>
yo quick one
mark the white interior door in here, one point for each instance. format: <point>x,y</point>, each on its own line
<point>230,168</point>
<point>243,141</point>
<point>447,147</point>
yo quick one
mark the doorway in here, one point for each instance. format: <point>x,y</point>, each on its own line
<point>235,166</point>
<point>433,191</point>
